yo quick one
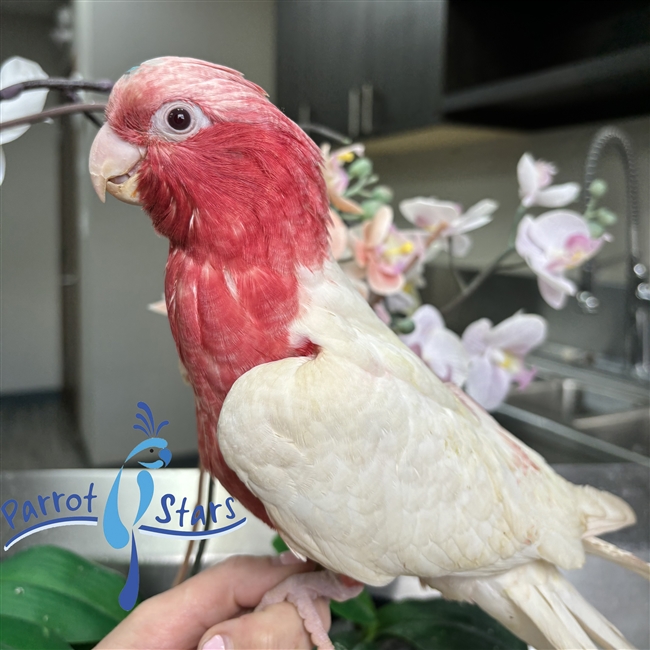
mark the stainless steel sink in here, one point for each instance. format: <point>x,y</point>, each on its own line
<point>566,400</point>
<point>589,418</point>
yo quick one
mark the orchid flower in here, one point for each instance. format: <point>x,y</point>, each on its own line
<point>497,356</point>
<point>338,233</point>
<point>535,178</point>
<point>385,252</point>
<point>439,348</point>
<point>336,178</point>
<point>553,243</point>
<point>445,220</point>
<point>16,70</point>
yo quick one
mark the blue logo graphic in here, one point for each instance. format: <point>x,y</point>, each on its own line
<point>56,509</point>
<point>115,531</point>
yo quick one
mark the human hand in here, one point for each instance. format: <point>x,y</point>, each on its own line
<point>217,603</point>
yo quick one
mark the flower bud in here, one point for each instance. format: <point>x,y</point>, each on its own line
<point>404,326</point>
<point>382,193</point>
<point>360,167</point>
<point>598,188</point>
<point>370,207</point>
<point>595,229</point>
<point>606,217</point>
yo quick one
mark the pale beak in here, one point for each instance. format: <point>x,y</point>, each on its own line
<point>114,165</point>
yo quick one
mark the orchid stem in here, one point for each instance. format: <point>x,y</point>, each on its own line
<point>454,271</point>
<point>476,282</point>
<point>67,109</point>
<point>65,85</point>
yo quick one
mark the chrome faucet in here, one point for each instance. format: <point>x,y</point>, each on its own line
<point>637,294</point>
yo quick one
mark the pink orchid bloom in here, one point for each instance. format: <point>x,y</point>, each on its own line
<point>446,221</point>
<point>357,277</point>
<point>535,178</point>
<point>385,252</point>
<point>338,232</point>
<point>336,178</point>
<point>553,243</point>
<point>439,348</point>
<point>497,356</point>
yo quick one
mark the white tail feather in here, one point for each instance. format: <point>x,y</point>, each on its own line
<point>539,605</point>
<point>608,551</point>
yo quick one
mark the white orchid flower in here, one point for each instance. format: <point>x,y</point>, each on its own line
<point>535,178</point>
<point>553,243</point>
<point>16,70</point>
<point>439,348</point>
<point>447,220</point>
<point>497,356</point>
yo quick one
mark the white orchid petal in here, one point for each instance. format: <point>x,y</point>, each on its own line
<point>527,177</point>
<point>551,230</point>
<point>519,334</point>
<point>444,353</point>
<point>552,294</point>
<point>475,336</point>
<point>477,216</point>
<point>524,243</point>
<point>427,213</point>
<point>460,245</point>
<point>16,70</point>
<point>557,196</point>
<point>427,319</point>
<point>3,165</point>
<point>487,384</point>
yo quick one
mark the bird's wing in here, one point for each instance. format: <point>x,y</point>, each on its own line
<point>369,464</point>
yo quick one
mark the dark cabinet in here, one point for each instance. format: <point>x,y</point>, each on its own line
<point>371,67</point>
<point>361,67</point>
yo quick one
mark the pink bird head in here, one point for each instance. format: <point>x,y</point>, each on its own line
<point>213,162</point>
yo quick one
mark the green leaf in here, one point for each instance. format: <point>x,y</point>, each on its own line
<point>360,610</point>
<point>18,634</point>
<point>68,574</point>
<point>76,621</point>
<point>279,545</point>
<point>438,624</point>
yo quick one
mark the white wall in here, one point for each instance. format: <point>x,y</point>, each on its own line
<point>127,352</point>
<point>30,301</point>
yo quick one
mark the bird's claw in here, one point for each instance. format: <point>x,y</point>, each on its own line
<point>302,590</point>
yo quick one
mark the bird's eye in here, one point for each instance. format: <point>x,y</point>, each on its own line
<point>151,451</point>
<point>179,119</point>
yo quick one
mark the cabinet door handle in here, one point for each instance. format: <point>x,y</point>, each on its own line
<point>354,112</point>
<point>367,100</point>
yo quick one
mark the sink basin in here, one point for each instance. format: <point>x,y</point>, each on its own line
<point>565,400</point>
<point>586,419</point>
<point>629,429</point>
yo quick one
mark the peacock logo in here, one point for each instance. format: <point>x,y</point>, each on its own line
<point>115,532</point>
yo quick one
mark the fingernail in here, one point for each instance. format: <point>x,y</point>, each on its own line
<point>286,558</point>
<point>218,642</point>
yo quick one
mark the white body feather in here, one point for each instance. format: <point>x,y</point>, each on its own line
<point>367,463</point>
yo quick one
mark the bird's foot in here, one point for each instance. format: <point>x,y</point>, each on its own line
<point>303,589</point>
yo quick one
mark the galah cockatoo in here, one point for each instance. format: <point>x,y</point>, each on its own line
<point>310,410</point>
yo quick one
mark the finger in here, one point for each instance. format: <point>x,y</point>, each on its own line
<point>178,618</point>
<point>278,626</point>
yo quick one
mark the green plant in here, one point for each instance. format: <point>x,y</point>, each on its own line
<point>52,598</point>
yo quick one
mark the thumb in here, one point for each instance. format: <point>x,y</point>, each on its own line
<point>275,627</point>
